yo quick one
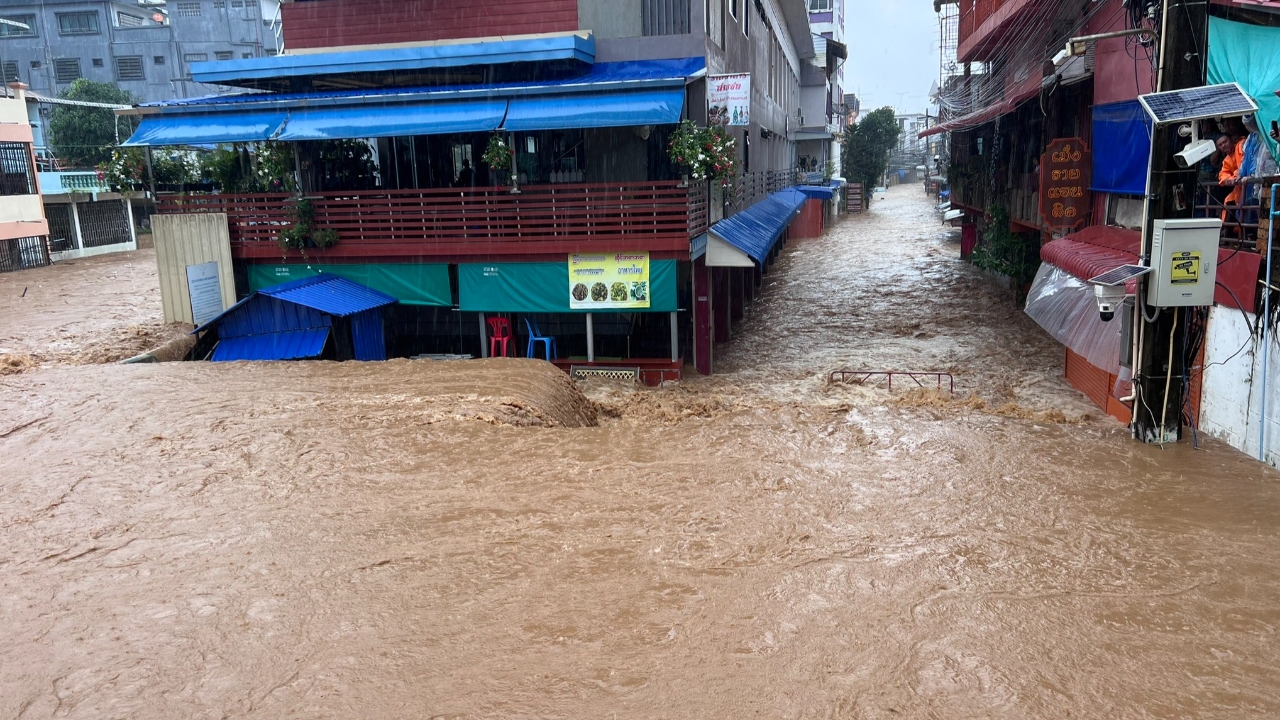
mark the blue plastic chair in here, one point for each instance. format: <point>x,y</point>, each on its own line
<point>535,337</point>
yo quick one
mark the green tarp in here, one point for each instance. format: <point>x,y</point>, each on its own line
<point>544,287</point>
<point>1249,55</point>
<point>411,284</point>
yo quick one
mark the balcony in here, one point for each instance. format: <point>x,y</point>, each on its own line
<point>490,223</point>
<point>62,183</point>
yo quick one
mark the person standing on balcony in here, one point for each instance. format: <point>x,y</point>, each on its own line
<point>1232,149</point>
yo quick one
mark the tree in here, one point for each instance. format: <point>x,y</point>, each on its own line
<point>83,137</point>
<point>867,146</point>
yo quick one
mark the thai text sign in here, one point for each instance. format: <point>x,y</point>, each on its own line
<point>729,99</point>
<point>1064,183</point>
<point>205,290</point>
<point>609,281</point>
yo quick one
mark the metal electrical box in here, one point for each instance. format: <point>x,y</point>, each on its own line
<point>1184,261</point>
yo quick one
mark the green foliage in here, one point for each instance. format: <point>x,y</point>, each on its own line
<point>127,168</point>
<point>83,137</point>
<point>1005,252</point>
<point>497,154</point>
<point>241,168</point>
<point>866,147</point>
<point>707,153</point>
<point>828,171</point>
<point>302,233</point>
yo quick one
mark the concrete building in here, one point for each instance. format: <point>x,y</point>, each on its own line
<point>23,228</point>
<point>825,109</point>
<point>146,47</point>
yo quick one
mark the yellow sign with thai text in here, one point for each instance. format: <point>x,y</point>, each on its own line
<point>609,281</point>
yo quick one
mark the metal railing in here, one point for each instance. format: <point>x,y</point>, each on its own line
<point>861,377</point>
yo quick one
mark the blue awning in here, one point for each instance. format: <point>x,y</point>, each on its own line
<point>335,123</point>
<point>1121,148</point>
<point>289,345</point>
<point>817,192</point>
<point>251,72</point>
<point>586,110</point>
<point>205,128</point>
<point>754,231</point>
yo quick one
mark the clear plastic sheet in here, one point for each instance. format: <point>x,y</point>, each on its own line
<point>1063,305</point>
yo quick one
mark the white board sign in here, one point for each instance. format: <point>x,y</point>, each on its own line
<point>729,99</point>
<point>205,289</point>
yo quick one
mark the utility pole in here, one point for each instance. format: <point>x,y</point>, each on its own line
<point>1159,368</point>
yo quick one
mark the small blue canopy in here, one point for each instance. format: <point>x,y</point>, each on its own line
<point>756,230</point>
<point>817,192</point>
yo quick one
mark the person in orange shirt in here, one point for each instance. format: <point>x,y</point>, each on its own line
<point>1232,149</point>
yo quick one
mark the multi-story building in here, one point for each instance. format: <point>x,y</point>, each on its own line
<point>584,96</point>
<point>825,108</point>
<point>145,46</point>
<point>912,151</point>
<point>23,228</point>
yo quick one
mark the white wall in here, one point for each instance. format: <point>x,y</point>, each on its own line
<point>1231,405</point>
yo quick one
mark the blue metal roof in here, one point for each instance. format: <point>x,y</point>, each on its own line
<point>335,123</point>
<point>634,75</point>
<point>756,230</point>
<point>608,109</point>
<point>287,345</point>
<point>233,72</point>
<point>817,192</point>
<point>203,128</point>
<point>329,294</point>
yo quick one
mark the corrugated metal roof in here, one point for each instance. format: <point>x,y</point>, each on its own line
<point>755,230</point>
<point>329,294</point>
<point>818,192</point>
<point>602,76</point>
<point>289,345</point>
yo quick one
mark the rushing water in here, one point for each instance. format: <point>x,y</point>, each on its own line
<point>474,540</point>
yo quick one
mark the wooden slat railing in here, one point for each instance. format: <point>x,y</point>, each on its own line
<point>542,219</point>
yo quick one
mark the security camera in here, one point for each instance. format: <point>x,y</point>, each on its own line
<point>1195,152</point>
<point>1108,297</point>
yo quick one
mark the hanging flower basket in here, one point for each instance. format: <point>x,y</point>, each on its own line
<point>707,153</point>
<point>498,154</point>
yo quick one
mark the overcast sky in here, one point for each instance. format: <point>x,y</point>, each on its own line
<point>893,53</point>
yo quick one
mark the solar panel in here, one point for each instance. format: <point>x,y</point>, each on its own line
<point>1198,103</point>
<point>1120,275</point>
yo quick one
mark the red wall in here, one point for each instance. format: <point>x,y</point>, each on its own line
<point>336,23</point>
<point>1116,77</point>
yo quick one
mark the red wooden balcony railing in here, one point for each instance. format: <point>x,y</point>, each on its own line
<point>541,219</point>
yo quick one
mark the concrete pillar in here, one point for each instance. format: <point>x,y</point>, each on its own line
<point>591,339</point>
<point>703,320</point>
<point>675,337</point>
<point>75,225</point>
<point>484,337</point>
<point>128,214</point>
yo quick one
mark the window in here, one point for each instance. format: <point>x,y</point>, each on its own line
<point>14,30</point>
<point>246,56</point>
<point>35,64</point>
<point>97,62</point>
<point>219,4</point>
<point>195,57</point>
<point>188,9</point>
<point>129,68</point>
<point>11,72</point>
<point>223,55</point>
<point>733,8</point>
<point>66,70</point>
<point>78,23</point>
<point>819,5</point>
<point>158,59</point>
<point>237,3</point>
<point>124,19</point>
<point>746,19</point>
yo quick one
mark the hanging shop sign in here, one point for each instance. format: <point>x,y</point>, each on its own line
<point>1064,183</point>
<point>609,281</point>
<point>729,99</point>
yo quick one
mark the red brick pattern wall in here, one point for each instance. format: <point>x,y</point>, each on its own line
<point>338,23</point>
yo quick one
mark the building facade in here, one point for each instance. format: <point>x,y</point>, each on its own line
<point>825,107</point>
<point>145,47</point>
<point>583,96</point>
<point>23,228</point>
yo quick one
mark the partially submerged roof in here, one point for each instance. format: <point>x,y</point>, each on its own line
<point>325,293</point>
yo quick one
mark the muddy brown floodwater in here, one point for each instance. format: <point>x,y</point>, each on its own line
<point>481,540</point>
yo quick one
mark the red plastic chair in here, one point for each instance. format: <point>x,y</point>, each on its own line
<point>501,333</point>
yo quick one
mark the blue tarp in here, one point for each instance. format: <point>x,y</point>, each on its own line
<point>1121,148</point>
<point>288,345</point>
<point>335,123</point>
<point>1249,55</point>
<point>584,110</point>
<point>756,230</point>
<point>251,71</point>
<point>204,129</point>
